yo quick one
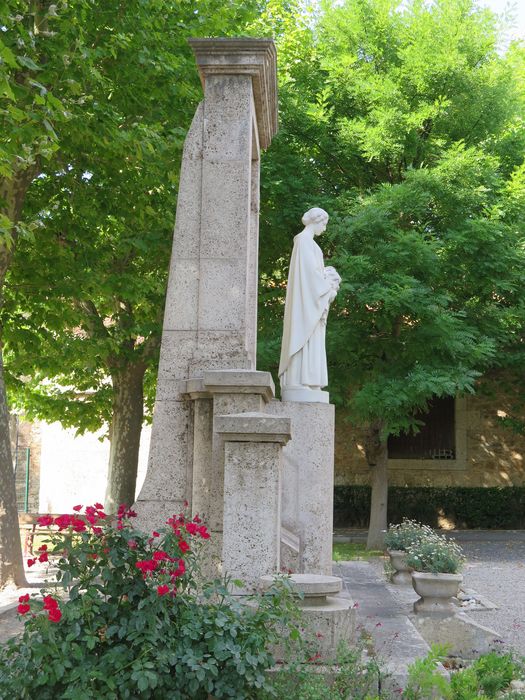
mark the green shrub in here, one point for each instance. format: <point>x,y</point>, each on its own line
<point>138,622</point>
<point>495,672</point>
<point>465,685</point>
<point>483,680</point>
<point>351,677</point>
<point>425,678</point>
<point>464,507</point>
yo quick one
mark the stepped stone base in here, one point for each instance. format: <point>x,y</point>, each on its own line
<point>329,616</point>
<point>464,637</point>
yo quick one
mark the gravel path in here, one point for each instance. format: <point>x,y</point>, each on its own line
<point>495,570</point>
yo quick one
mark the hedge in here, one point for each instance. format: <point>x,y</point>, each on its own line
<point>469,508</point>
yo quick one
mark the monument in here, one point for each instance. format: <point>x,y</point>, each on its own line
<point>259,471</point>
<point>310,290</point>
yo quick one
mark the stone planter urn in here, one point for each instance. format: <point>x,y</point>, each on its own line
<point>402,572</point>
<point>436,591</point>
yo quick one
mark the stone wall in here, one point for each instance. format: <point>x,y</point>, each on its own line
<point>488,452</point>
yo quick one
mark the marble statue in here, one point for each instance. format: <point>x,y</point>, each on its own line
<point>311,289</point>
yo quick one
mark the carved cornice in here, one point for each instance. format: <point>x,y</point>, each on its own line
<point>254,57</point>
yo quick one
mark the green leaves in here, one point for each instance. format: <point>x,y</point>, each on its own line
<point>401,129</point>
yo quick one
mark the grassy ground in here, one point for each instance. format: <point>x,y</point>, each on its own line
<point>346,551</point>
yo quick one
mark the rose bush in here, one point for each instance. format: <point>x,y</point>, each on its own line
<point>134,618</point>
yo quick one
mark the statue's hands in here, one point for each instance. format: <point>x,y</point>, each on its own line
<point>333,277</point>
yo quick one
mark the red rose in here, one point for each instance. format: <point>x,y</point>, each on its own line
<point>23,608</point>
<point>43,548</point>
<point>132,544</point>
<point>45,520</point>
<point>30,562</point>
<point>43,557</point>
<point>146,565</point>
<point>54,615</point>
<point>63,521</point>
<point>192,528</point>
<point>24,598</point>
<point>184,546</point>
<point>78,525</point>
<point>77,508</point>
<point>160,555</point>
<point>99,506</point>
<point>50,603</point>
<point>181,569</point>
<point>203,532</point>
<point>162,590</point>
<point>97,530</point>
<point>155,533</point>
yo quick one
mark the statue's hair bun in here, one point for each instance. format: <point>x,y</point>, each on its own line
<point>314,216</point>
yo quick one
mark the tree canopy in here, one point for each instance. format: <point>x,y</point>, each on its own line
<point>408,129</point>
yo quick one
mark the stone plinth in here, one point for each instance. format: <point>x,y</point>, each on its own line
<point>329,617</point>
<point>308,480</point>
<point>252,493</point>
<point>462,636</point>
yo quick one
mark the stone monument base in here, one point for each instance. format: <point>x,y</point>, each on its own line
<point>328,616</point>
<point>463,636</point>
<point>308,484</point>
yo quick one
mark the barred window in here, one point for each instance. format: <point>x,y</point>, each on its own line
<point>435,440</point>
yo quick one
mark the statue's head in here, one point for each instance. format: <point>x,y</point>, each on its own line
<point>317,219</point>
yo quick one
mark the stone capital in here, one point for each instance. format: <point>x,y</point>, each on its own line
<point>246,56</point>
<point>230,381</point>
<point>253,427</point>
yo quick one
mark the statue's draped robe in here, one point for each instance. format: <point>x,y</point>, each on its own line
<point>303,353</point>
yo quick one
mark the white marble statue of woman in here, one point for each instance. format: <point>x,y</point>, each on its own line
<point>311,289</point>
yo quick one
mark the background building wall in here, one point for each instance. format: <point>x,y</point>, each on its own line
<point>493,454</point>
<point>73,469</point>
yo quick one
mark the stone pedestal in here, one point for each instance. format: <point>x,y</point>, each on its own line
<point>252,493</point>
<point>329,617</point>
<point>308,482</point>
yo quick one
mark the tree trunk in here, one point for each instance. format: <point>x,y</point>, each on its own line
<point>12,194</point>
<point>126,426</point>
<point>377,458</point>
<point>11,562</point>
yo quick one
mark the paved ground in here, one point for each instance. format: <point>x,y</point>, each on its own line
<point>495,569</point>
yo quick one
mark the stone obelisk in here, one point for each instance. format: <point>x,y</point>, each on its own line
<point>211,304</point>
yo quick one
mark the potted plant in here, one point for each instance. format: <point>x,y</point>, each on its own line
<point>398,539</point>
<point>436,561</point>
